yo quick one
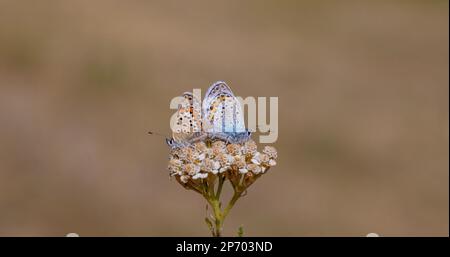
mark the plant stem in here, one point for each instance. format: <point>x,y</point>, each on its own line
<point>219,188</point>
<point>220,215</point>
<point>218,218</point>
<point>230,205</point>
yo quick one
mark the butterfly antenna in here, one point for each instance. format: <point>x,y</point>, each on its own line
<point>156,134</point>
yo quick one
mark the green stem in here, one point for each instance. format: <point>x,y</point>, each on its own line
<point>219,188</point>
<point>220,215</point>
<point>218,218</point>
<point>230,205</point>
<point>214,201</point>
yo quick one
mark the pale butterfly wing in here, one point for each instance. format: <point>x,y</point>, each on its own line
<point>222,114</point>
<point>188,125</point>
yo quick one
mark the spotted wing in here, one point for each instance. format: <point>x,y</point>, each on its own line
<point>222,112</point>
<point>189,123</point>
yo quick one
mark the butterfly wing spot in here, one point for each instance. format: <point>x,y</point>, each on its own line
<point>188,122</point>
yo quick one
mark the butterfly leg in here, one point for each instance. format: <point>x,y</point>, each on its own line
<point>229,138</point>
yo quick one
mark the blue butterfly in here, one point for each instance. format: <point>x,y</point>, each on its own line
<point>222,115</point>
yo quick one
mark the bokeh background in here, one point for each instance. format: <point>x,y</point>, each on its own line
<point>363,114</point>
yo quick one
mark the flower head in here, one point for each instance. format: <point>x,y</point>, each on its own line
<point>200,159</point>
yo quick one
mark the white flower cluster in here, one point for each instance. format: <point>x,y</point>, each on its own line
<point>203,159</point>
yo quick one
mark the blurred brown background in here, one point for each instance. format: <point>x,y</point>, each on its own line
<point>363,132</point>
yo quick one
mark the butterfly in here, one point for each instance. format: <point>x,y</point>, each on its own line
<point>222,115</point>
<point>219,117</point>
<point>188,127</point>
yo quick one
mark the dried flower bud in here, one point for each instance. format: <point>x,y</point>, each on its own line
<point>270,151</point>
<point>264,158</point>
<point>239,162</point>
<point>192,169</point>
<point>256,169</point>
<point>234,149</point>
<point>182,153</point>
<point>218,146</point>
<point>250,147</point>
<point>200,175</point>
<point>272,162</point>
<point>255,158</point>
<point>184,179</point>
<point>225,160</point>
<point>243,170</point>
<point>175,167</point>
<point>211,166</point>
<point>200,147</point>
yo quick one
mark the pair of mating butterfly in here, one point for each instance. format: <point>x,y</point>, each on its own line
<point>219,117</point>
